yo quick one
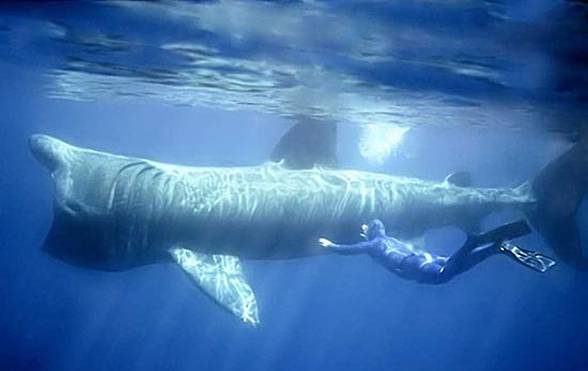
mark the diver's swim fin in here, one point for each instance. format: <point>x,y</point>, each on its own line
<point>528,258</point>
<point>503,233</point>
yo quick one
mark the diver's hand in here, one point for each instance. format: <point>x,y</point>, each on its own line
<point>325,243</point>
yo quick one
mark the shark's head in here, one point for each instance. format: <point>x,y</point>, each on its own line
<point>76,237</point>
<point>373,230</point>
<point>48,151</point>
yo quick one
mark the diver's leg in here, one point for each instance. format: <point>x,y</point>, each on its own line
<point>466,258</point>
<point>530,259</point>
<point>503,233</point>
<point>471,254</point>
<point>476,256</point>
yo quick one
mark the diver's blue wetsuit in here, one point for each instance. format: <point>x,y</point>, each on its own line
<point>417,265</point>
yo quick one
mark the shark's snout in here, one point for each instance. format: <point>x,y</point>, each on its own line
<point>39,141</point>
<point>47,150</point>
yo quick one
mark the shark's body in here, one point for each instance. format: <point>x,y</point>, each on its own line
<point>115,212</point>
<point>135,208</point>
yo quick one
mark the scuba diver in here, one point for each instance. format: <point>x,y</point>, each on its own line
<point>414,264</point>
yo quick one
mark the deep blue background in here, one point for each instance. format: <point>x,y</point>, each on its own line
<point>330,312</point>
<point>324,313</point>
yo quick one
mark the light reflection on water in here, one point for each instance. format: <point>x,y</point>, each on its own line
<point>409,63</point>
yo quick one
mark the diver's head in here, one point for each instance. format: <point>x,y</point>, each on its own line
<point>373,230</point>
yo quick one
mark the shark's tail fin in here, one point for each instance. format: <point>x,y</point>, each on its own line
<point>559,188</point>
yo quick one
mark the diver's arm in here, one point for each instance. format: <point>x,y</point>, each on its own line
<point>358,248</point>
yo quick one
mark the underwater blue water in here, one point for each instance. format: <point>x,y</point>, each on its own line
<point>105,77</point>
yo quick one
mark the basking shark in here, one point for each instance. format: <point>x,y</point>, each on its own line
<point>115,212</point>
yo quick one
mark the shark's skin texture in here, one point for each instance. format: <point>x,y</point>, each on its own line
<point>130,211</point>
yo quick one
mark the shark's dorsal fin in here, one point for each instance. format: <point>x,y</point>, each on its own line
<point>306,144</point>
<point>459,178</point>
<point>220,277</point>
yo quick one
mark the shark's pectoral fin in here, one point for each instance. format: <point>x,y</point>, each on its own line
<point>221,277</point>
